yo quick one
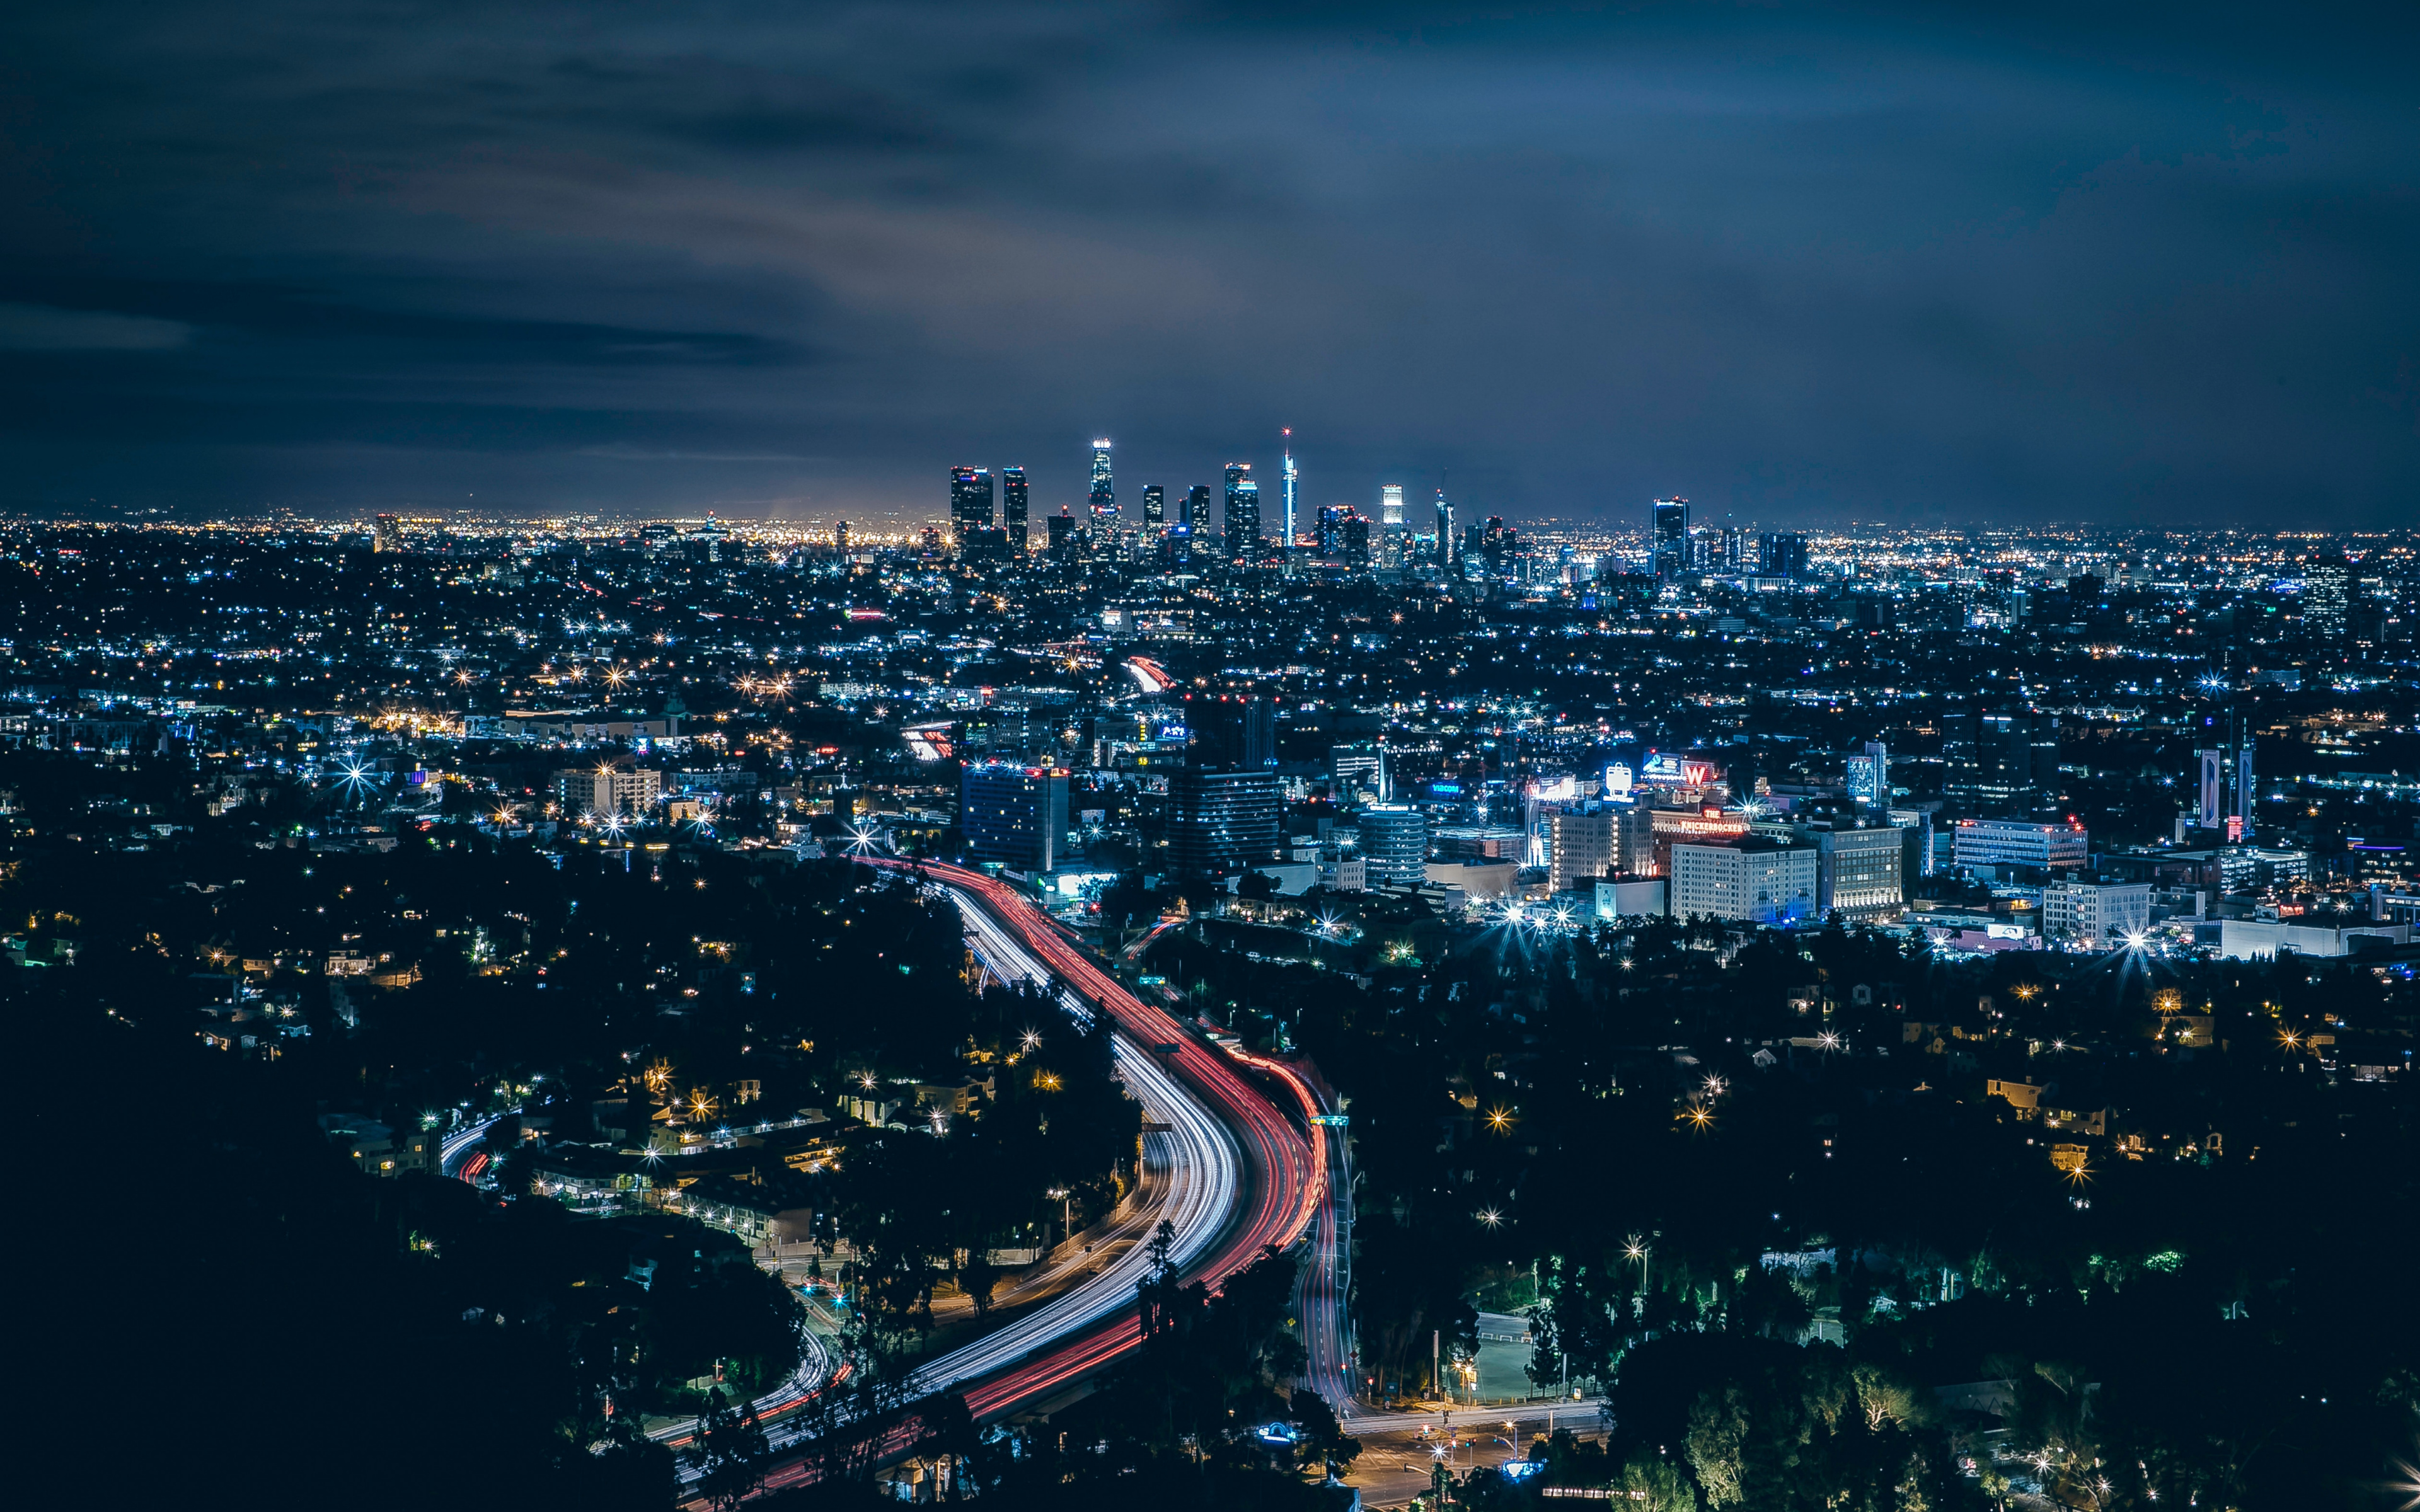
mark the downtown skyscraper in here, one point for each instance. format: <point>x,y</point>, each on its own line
<point>1287,482</point>
<point>1014,503</point>
<point>1104,500</point>
<point>1243,513</point>
<point>969,501</point>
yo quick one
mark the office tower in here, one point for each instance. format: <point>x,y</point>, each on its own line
<point>1221,820</point>
<point>1353,539</point>
<point>1580,847</point>
<point>1634,841</point>
<point>1447,547</point>
<point>1394,844</point>
<point>2244,784</point>
<point>840,537</point>
<point>1392,531</point>
<point>2213,781</point>
<point>1870,774</point>
<point>1230,730</point>
<point>2098,916</point>
<point>2020,842</point>
<point>1860,872</point>
<point>1669,537</point>
<point>1751,878</point>
<point>2327,595</point>
<point>969,501</point>
<point>1104,497</point>
<point>1015,815</point>
<point>1013,497</point>
<point>1243,513</point>
<point>1287,541</point>
<point>1155,506</point>
<point>1063,536</point>
<point>389,535</point>
<point>1781,554</point>
<point>1497,542</point>
<point>1195,509</point>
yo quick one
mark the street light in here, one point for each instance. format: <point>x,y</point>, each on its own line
<point>1637,1249</point>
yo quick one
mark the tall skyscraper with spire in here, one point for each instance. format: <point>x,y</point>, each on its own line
<point>1014,500</point>
<point>1105,495</point>
<point>1287,543</point>
<point>1446,551</point>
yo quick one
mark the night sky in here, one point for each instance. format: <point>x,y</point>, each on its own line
<point>2155,264</point>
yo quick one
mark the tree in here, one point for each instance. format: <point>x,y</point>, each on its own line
<point>976,1278</point>
<point>1322,1435</point>
<point>1653,1486</point>
<point>728,1451</point>
<point>1717,1438</point>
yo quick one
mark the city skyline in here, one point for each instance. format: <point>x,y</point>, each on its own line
<point>1794,264</point>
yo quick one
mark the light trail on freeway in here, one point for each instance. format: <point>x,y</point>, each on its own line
<point>1202,1186</point>
<point>1276,1184</point>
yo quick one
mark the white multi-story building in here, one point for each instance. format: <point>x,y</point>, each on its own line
<point>2098,916</point>
<point>608,791</point>
<point>1579,847</point>
<point>1753,879</point>
<point>2020,842</point>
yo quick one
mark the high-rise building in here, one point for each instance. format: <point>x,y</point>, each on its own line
<point>1390,506</point>
<point>1195,512</point>
<point>1781,554</point>
<point>1870,774</point>
<point>1155,505</point>
<point>1669,538</point>
<point>1287,541</point>
<point>1754,878</point>
<point>1353,539</point>
<point>840,537</point>
<point>1221,820</point>
<point>1104,495</point>
<point>1063,536</point>
<point>969,501</point>
<point>1015,815</point>
<point>1860,873</point>
<point>1394,844</point>
<point>1243,513</point>
<point>388,534</point>
<point>1447,549</point>
<point>2327,595</point>
<point>1014,498</point>
<point>1580,847</point>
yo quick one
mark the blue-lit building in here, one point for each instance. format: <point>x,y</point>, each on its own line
<point>1015,815</point>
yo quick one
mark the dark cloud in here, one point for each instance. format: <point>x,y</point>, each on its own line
<point>1794,263</point>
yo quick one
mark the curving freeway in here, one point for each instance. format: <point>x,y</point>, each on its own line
<point>1258,1168</point>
